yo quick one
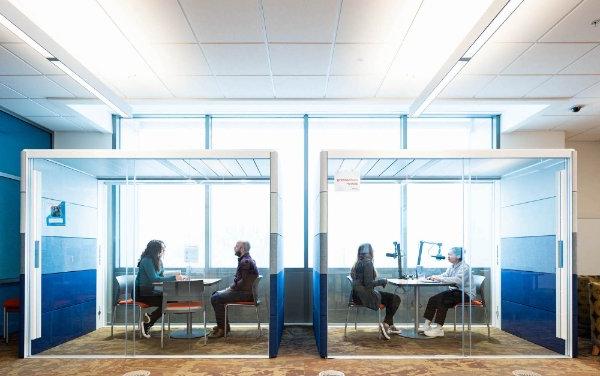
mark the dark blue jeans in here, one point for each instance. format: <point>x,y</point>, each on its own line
<point>220,298</point>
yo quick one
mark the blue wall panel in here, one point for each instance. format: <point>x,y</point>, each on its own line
<point>10,246</point>
<point>60,290</point>
<point>532,253</point>
<point>320,311</point>
<point>9,291</point>
<point>533,324</point>
<point>536,290</point>
<point>63,254</point>
<point>276,319</point>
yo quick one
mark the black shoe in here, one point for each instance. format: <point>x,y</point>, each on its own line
<point>217,327</point>
<point>218,333</point>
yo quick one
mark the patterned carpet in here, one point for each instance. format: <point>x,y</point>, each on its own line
<point>297,357</point>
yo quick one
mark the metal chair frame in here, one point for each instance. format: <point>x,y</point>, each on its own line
<point>5,326</point>
<point>352,303</point>
<point>126,284</point>
<point>245,304</point>
<point>478,282</point>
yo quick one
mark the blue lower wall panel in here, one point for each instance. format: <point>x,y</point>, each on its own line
<point>60,290</point>
<point>532,324</point>
<point>276,316</point>
<point>10,291</point>
<point>65,324</point>
<point>575,337</point>
<point>320,311</point>
<point>534,289</point>
<point>21,310</point>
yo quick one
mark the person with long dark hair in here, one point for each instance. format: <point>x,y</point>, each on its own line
<point>150,270</point>
<point>364,281</point>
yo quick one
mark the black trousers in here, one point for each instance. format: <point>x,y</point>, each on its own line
<point>154,300</point>
<point>220,298</point>
<point>389,300</point>
<point>438,305</point>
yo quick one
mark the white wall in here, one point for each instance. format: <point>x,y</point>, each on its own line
<point>82,140</point>
<point>533,140</point>
<point>588,207</point>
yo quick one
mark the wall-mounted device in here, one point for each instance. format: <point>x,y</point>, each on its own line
<point>397,254</point>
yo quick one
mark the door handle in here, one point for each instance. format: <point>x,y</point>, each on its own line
<point>560,253</point>
<point>36,262</point>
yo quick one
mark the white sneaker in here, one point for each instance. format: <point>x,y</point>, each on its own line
<point>146,318</point>
<point>435,332</point>
<point>384,329</point>
<point>394,330</point>
<point>145,331</point>
<point>424,327</point>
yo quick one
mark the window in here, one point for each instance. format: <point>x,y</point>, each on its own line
<point>161,134</point>
<point>286,136</point>
<point>450,133</point>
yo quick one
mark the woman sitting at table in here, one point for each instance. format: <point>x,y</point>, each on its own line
<point>437,306</point>
<point>150,270</point>
<point>364,281</point>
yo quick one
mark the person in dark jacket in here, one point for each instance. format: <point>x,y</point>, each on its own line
<point>239,291</point>
<point>364,281</point>
<point>150,270</point>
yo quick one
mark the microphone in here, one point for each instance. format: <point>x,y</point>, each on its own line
<point>439,256</point>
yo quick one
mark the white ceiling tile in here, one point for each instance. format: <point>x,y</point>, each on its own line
<point>466,86</point>
<point>587,64</point>
<point>299,86</point>
<point>25,107</point>
<point>375,21</point>
<point>576,124</point>
<point>510,86</point>
<point>32,57</point>
<point>352,86</point>
<point>150,21</point>
<point>548,58</point>
<point>300,21</point>
<point>224,21</point>
<point>362,59</point>
<point>592,92</point>
<point>563,86</point>
<point>193,86</point>
<point>237,59</point>
<point>176,59</point>
<point>577,25</point>
<point>55,123</point>
<point>405,86</point>
<point>539,123</point>
<point>141,87</point>
<point>246,86</point>
<point>11,64</point>
<point>589,135</point>
<point>6,92</point>
<point>71,85</point>
<point>532,19</point>
<point>494,57</point>
<point>7,36</point>
<point>35,86</point>
<point>300,59</point>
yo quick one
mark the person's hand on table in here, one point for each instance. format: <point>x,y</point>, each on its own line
<point>179,277</point>
<point>434,278</point>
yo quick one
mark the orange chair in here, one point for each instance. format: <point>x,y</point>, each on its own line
<point>352,303</point>
<point>182,297</point>
<point>123,286</point>
<point>254,303</point>
<point>9,306</point>
<point>478,302</point>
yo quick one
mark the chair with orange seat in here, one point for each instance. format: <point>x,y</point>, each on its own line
<point>478,302</point>
<point>123,286</point>
<point>182,297</point>
<point>9,306</point>
<point>253,303</point>
<point>352,303</point>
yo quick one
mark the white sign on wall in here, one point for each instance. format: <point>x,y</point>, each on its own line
<point>191,254</point>
<point>347,181</point>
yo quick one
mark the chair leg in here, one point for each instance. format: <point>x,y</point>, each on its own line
<point>140,322</point>
<point>455,320</point>
<point>162,332</point>
<point>258,321</point>
<point>112,320</point>
<point>355,318</point>
<point>204,319</point>
<point>487,322</point>
<point>379,321</point>
<point>169,322</point>
<point>225,324</point>
<point>346,325</point>
<point>5,326</point>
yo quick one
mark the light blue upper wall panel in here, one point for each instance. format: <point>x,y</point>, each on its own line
<point>529,187</point>
<point>81,221</point>
<point>63,184</point>
<point>16,135</point>
<point>535,218</point>
<point>61,255</point>
<point>532,253</point>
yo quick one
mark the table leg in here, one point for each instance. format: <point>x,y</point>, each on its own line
<point>189,332</point>
<point>414,333</point>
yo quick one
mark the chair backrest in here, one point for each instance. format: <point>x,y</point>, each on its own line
<point>123,286</point>
<point>183,291</point>
<point>255,288</point>
<point>478,283</point>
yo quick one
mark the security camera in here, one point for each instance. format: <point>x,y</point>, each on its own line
<point>576,108</point>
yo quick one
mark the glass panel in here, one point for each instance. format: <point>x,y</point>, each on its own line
<point>286,136</point>
<point>449,133</point>
<point>161,134</point>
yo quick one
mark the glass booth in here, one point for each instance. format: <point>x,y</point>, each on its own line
<point>87,216</point>
<point>510,212</point>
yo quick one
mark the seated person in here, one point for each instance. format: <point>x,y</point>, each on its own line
<point>364,281</point>
<point>239,291</point>
<point>150,270</point>
<point>437,306</point>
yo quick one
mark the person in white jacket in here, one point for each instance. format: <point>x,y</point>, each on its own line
<point>460,291</point>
